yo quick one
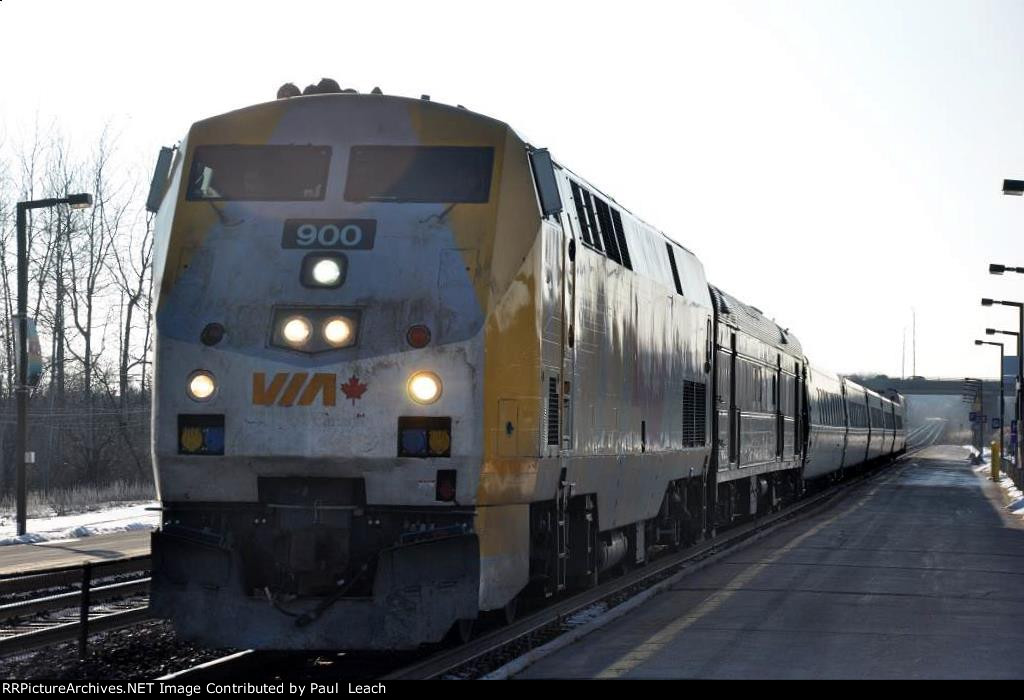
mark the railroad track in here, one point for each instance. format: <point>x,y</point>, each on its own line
<point>502,651</point>
<point>70,603</point>
<point>926,434</point>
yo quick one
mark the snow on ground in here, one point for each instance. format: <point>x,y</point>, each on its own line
<point>116,518</point>
<point>1006,483</point>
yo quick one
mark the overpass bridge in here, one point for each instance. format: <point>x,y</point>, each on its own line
<point>954,387</point>
<point>928,386</point>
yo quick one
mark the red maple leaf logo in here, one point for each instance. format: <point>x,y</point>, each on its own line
<point>353,389</point>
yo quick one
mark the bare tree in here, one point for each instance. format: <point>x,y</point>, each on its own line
<point>131,267</point>
<point>90,282</point>
<point>89,279</point>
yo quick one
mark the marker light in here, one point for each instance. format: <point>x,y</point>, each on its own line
<point>418,336</point>
<point>201,385</point>
<point>327,272</point>
<point>424,387</point>
<point>297,330</point>
<point>338,331</point>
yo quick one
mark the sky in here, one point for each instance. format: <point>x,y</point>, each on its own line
<point>835,163</point>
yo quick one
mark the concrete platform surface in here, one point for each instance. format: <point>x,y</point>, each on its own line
<point>26,558</point>
<point>918,573</point>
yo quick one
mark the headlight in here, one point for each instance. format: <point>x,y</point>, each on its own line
<point>315,329</point>
<point>323,270</point>
<point>338,331</point>
<point>296,330</point>
<point>327,272</point>
<point>424,387</point>
<point>201,385</point>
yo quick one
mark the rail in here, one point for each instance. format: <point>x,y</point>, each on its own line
<point>91,606</point>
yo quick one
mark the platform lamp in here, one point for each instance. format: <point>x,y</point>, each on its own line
<point>75,201</point>
<point>1002,398</point>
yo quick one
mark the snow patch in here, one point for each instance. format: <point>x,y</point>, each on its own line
<point>1005,483</point>
<point>117,518</point>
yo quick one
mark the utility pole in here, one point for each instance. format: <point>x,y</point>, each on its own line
<point>914,363</point>
<point>903,356</point>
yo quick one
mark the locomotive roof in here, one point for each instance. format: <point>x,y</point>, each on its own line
<point>751,321</point>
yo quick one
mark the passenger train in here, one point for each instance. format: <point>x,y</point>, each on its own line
<point>410,369</point>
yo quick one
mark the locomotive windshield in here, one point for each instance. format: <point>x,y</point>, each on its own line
<point>424,174</point>
<point>259,173</point>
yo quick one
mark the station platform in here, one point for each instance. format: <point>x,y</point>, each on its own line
<point>28,558</point>
<point>916,573</point>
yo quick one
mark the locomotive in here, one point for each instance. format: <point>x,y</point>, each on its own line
<point>409,369</point>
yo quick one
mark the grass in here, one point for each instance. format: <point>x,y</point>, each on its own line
<point>79,499</point>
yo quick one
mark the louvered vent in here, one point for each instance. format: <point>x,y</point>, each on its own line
<point>552,411</point>
<point>694,414</point>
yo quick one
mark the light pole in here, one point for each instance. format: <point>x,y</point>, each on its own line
<point>1018,409</point>
<point>977,397</point>
<point>75,201</point>
<point>1016,404</point>
<point>1002,398</point>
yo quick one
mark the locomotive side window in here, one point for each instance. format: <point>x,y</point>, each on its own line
<point>620,236</point>
<point>604,218</point>
<point>581,213</point>
<point>675,269</point>
<point>593,237</point>
<point>259,173</point>
<point>420,174</point>
<point>600,225</point>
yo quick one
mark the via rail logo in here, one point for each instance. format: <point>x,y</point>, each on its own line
<point>303,389</point>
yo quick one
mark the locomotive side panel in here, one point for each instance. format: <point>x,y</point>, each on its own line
<point>640,388</point>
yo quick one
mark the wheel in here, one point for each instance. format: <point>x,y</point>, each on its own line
<point>510,610</point>
<point>460,633</point>
<point>586,581</point>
